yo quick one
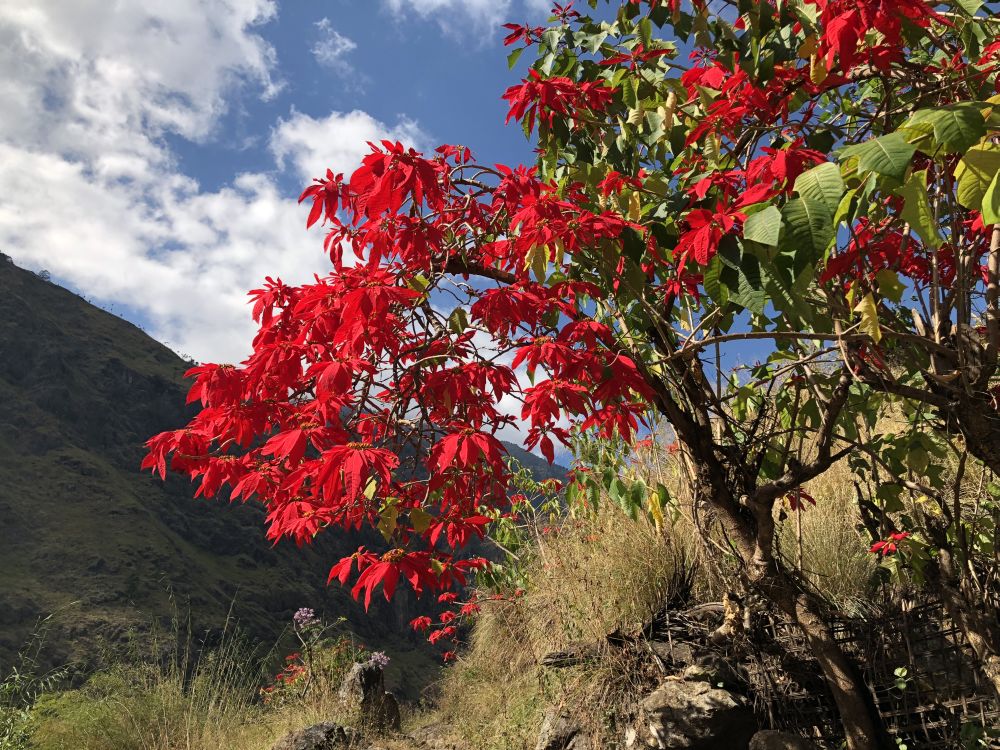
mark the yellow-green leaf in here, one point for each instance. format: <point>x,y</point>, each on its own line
<point>991,202</point>
<point>635,206</point>
<point>975,173</point>
<point>869,317</point>
<point>417,283</point>
<point>537,259</point>
<point>655,510</point>
<point>387,521</point>
<point>889,285</point>
<point>458,321</point>
<point>420,519</point>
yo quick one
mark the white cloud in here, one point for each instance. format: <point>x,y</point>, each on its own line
<point>92,192</point>
<point>452,15</point>
<point>115,75</point>
<point>332,47</point>
<point>337,142</point>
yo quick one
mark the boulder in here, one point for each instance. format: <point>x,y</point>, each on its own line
<point>692,714</point>
<point>673,654</point>
<point>363,690</point>
<point>325,736</point>
<point>363,678</point>
<point>715,670</point>
<point>770,739</point>
<point>560,732</point>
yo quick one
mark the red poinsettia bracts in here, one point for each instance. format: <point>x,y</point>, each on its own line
<point>890,546</point>
<point>546,99</point>
<point>846,22</point>
<point>363,404</point>
<point>704,230</point>
<point>466,301</point>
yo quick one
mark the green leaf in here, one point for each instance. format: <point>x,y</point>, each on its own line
<point>458,321</point>
<point>917,459</point>
<point>822,184</point>
<point>712,283</point>
<point>888,155</point>
<point>846,207</point>
<point>629,95</point>
<point>951,129</point>
<point>808,228</point>
<point>991,202</point>
<point>764,226</point>
<point>889,285</point>
<point>646,32</point>
<point>513,57</point>
<point>969,6</point>
<point>889,494</point>
<point>750,290</point>
<point>975,173</point>
<point>869,317</point>
<point>917,211</point>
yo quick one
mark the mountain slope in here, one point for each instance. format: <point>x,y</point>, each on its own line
<point>80,390</point>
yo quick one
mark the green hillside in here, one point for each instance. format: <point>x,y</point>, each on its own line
<point>80,390</point>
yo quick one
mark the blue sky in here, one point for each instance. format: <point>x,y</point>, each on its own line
<point>151,153</point>
<point>445,70</point>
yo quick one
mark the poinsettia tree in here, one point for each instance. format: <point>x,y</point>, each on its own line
<point>729,205</point>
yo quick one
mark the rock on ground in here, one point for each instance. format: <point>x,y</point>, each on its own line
<point>693,715</point>
<point>324,736</point>
<point>363,689</point>
<point>560,732</point>
<point>769,739</point>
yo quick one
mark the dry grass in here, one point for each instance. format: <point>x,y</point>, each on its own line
<point>594,573</point>
<point>829,547</point>
<point>590,577</point>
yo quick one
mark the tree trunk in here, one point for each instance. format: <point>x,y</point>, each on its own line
<point>978,421</point>
<point>718,480</point>
<point>753,539</point>
<point>858,714</point>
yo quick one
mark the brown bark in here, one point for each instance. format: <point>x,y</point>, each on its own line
<point>720,478</point>
<point>978,421</point>
<point>858,715</point>
<point>862,728</point>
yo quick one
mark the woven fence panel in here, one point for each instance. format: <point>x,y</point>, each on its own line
<point>919,667</point>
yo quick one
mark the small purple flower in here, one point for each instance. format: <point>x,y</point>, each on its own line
<point>304,617</point>
<point>379,659</point>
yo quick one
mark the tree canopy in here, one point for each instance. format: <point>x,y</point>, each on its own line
<point>765,223</point>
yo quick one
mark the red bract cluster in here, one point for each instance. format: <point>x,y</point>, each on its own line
<point>886,547</point>
<point>549,98</point>
<point>365,403</point>
<point>877,248</point>
<point>846,22</point>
